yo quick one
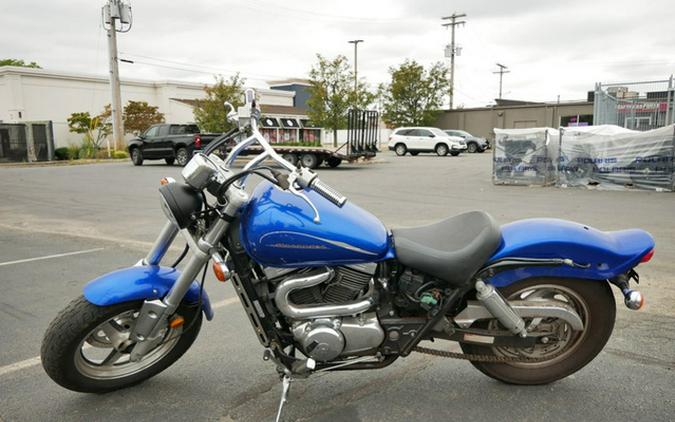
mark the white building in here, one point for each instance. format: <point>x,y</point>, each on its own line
<point>28,94</point>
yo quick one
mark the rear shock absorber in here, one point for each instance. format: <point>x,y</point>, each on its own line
<point>500,308</point>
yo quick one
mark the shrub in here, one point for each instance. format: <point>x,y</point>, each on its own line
<point>61,153</point>
<point>120,154</point>
<point>101,154</point>
<point>73,152</point>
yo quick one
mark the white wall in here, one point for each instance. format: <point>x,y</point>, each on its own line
<point>39,94</point>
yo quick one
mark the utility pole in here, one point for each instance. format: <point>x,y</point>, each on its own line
<point>502,70</point>
<point>356,70</point>
<point>452,49</point>
<point>116,10</point>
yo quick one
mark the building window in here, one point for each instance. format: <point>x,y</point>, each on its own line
<point>576,120</point>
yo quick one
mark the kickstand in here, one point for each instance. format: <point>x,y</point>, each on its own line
<point>285,389</point>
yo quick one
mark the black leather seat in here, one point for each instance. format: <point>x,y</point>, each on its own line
<point>452,249</point>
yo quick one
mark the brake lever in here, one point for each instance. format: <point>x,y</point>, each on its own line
<point>292,189</point>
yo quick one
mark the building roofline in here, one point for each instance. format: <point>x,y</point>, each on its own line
<point>290,81</point>
<point>531,105</point>
<point>65,75</point>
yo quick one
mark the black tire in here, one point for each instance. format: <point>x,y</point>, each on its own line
<point>169,161</point>
<point>334,162</point>
<point>136,156</point>
<point>291,158</point>
<point>601,309</point>
<point>454,153</point>
<point>182,156</point>
<point>310,161</point>
<point>70,327</point>
<point>414,153</point>
<point>472,147</point>
<point>441,150</point>
<point>400,149</point>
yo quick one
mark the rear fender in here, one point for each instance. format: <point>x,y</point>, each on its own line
<point>141,283</point>
<point>605,254</point>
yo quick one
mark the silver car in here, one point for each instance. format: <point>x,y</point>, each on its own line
<point>473,143</point>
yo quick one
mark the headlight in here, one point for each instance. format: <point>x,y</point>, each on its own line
<point>179,202</point>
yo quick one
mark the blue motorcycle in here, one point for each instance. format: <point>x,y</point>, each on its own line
<point>328,287</point>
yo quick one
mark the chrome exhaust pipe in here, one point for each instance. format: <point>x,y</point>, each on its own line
<point>284,304</point>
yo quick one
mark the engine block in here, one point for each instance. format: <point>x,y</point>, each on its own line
<point>348,283</point>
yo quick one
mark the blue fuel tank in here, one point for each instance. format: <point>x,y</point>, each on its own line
<point>278,229</point>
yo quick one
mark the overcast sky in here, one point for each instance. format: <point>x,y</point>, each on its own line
<point>551,48</point>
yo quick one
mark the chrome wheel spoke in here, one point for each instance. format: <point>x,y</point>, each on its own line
<point>115,333</point>
<point>560,339</point>
<point>112,357</point>
<point>108,358</point>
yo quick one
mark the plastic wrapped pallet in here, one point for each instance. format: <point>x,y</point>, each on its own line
<point>525,156</point>
<point>613,158</point>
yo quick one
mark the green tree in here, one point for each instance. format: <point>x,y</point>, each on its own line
<point>210,113</point>
<point>95,129</point>
<point>18,62</point>
<point>331,93</point>
<point>139,115</point>
<point>414,95</point>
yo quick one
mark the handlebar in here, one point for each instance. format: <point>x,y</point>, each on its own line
<point>304,177</point>
<point>328,192</point>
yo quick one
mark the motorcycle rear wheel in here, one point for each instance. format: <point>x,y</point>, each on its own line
<point>77,352</point>
<point>593,301</point>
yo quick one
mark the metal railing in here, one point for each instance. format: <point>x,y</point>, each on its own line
<point>362,135</point>
<point>635,105</point>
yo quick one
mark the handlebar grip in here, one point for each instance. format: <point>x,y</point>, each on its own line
<point>328,192</point>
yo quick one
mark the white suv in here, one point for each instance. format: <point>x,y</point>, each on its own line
<point>424,139</point>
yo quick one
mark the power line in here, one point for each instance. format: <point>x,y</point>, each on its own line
<point>190,67</point>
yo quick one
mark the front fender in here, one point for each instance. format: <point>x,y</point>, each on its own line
<point>141,283</point>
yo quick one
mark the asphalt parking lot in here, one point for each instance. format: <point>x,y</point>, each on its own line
<point>91,219</point>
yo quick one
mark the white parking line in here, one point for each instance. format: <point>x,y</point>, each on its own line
<point>29,363</point>
<point>60,255</point>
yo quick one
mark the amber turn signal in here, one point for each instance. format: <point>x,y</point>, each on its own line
<point>221,271</point>
<point>176,322</point>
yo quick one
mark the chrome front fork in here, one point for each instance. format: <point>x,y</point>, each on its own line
<point>154,315</point>
<point>161,245</point>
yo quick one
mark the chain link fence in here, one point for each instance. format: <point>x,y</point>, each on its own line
<point>26,142</point>
<point>635,105</point>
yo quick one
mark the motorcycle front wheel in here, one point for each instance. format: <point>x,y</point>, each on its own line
<point>77,350</point>
<point>564,351</point>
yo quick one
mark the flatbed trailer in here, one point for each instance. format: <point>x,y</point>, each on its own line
<point>362,139</point>
<point>313,157</point>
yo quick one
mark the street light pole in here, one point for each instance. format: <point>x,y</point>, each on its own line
<point>356,69</point>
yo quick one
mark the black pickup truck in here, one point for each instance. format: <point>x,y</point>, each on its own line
<point>172,143</point>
